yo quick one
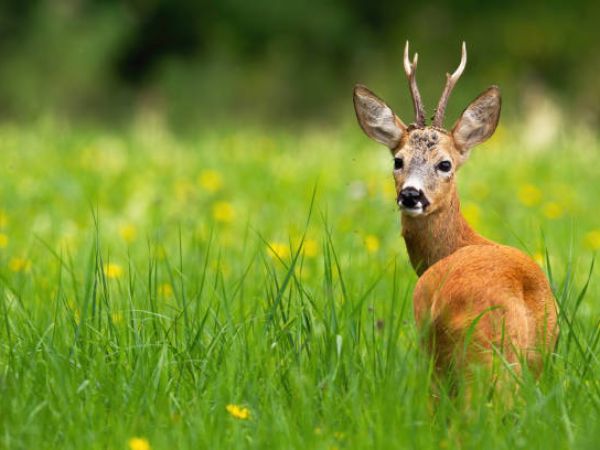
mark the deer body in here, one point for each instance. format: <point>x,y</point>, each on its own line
<point>469,287</point>
<point>462,276</point>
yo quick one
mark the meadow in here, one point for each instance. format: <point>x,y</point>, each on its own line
<point>249,288</point>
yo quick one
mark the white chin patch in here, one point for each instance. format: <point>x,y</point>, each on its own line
<point>413,212</point>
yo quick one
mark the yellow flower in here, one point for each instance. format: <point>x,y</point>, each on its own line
<point>3,240</point>
<point>210,180</point>
<point>223,212</point>
<point>113,270</point>
<point>371,243</point>
<point>117,317</point>
<point>592,239</point>
<point>538,257</point>
<point>139,443</point>
<point>529,195</point>
<point>239,412</point>
<point>165,290</point>
<point>552,210</point>
<point>472,213</point>
<point>19,264</point>
<point>311,248</point>
<point>128,232</point>
<point>279,249</point>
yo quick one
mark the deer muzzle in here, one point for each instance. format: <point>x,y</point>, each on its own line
<point>412,199</point>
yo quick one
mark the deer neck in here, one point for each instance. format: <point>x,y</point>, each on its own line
<point>437,235</point>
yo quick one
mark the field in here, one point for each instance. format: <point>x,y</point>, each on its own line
<point>250,289</point>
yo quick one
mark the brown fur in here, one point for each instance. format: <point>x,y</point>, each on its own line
<point>435,236</point>
<point>470,288</point>
<point>463,276</point>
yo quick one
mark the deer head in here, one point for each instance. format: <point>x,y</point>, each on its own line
<point>427,157</point>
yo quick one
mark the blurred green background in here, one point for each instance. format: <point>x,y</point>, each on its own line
<point>197,63</point>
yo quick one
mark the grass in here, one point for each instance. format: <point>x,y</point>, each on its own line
<point>251,289</point>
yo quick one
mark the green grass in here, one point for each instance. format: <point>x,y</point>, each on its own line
<point>147,282</point>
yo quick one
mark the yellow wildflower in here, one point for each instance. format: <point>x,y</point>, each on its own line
<point>139,443</point>
<point>3,240</point>
<point>538,257</point>
<point>113,270</point>
<point>552,210</point>
<point>117,317</point>
<point>472,213</point>
<point>279,249</point>
<point>239,412</point>
<point>165,290</point>
<point>529,195</point>
<point>311,248</point>
<point>210,180</point>
<point>223,212</point>
<point>592,239</point>
<point>128,232</point>
<point>19,265</point>
<point>371,243</point>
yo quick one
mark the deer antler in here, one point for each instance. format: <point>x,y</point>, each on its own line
<point>450,82</point>
<point>410,69</point>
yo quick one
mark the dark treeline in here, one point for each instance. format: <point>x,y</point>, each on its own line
<point>201,61</point>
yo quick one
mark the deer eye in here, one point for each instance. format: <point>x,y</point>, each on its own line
<point>398,163</point>
<point>444,166</point>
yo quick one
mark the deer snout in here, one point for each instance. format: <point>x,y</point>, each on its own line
<point>410,197</point>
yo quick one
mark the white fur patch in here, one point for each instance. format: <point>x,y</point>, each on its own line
<point>414,181</point>
<point>413,212</point>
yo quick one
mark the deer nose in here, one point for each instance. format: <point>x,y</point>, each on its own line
<point>410,196</point>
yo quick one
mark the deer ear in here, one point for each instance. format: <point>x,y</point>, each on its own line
<point>376,118</point>
<point>478,122</point>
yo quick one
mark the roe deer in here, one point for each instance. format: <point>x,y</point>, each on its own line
<point>469,287</point>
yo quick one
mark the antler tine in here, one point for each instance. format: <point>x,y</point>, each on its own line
<point>450,82</point>
<point>410,69</point>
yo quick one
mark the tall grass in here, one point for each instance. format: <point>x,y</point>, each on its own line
<point>148,283</point>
